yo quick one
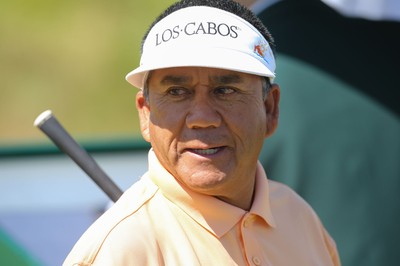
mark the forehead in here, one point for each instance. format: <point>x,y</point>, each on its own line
<point>188,75</point>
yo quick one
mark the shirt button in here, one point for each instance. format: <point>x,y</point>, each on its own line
<point>256,260</point>
<point>246,223</point>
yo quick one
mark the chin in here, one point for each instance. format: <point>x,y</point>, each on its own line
<point>204,182</point>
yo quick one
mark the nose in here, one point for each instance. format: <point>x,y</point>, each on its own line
<point>203,113</point>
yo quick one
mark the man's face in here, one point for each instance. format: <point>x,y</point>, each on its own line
<point>207,125</point>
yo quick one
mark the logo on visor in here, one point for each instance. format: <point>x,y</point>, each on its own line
<point>261,48</point>
<point>195,28</point>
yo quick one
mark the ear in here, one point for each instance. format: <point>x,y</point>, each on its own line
<point>144,115</point>
<point>272,109</point>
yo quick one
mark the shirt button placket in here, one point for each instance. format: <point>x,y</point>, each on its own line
<point>247,224</point>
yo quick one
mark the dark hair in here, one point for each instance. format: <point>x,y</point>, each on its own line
<point>227,5</point>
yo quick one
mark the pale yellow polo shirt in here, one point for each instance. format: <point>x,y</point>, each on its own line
<point>159,222</point>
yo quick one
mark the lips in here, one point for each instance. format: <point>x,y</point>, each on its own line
<point>206,151</point>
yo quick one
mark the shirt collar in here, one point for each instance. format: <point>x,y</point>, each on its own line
<point>261,201</point>
<point>223,216</point>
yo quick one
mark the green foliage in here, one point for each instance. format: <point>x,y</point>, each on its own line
<point>71,57</point>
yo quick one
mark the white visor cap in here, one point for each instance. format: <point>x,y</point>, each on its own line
<point>203,36</point>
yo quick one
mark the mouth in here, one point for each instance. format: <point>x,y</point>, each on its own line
<point>206,152</point>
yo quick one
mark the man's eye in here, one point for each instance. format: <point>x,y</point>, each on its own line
<point>177,91</point>
<point>224,90</point>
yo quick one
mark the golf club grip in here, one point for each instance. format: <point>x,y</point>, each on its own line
<point>56,132</point>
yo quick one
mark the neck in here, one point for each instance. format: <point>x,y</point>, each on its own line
<point>242,197</point>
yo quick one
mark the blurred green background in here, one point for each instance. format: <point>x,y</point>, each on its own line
<point>71,57</point>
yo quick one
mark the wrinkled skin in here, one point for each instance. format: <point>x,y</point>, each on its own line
<point>207,127</point>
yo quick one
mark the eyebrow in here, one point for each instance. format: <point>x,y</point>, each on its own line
<point>218,79</point>
<point>227,79</point>
<point>175,80</point>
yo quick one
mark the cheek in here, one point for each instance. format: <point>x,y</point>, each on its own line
<point>165,129</point>
<point>167,114</point>
<point>249,123</point>
<point>250,111</point>
<point>164,146</point>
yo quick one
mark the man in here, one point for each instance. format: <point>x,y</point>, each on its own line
<point>206,104</point>
<point>338,142</point>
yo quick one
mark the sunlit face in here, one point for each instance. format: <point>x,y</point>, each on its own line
<point>207,126</point>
